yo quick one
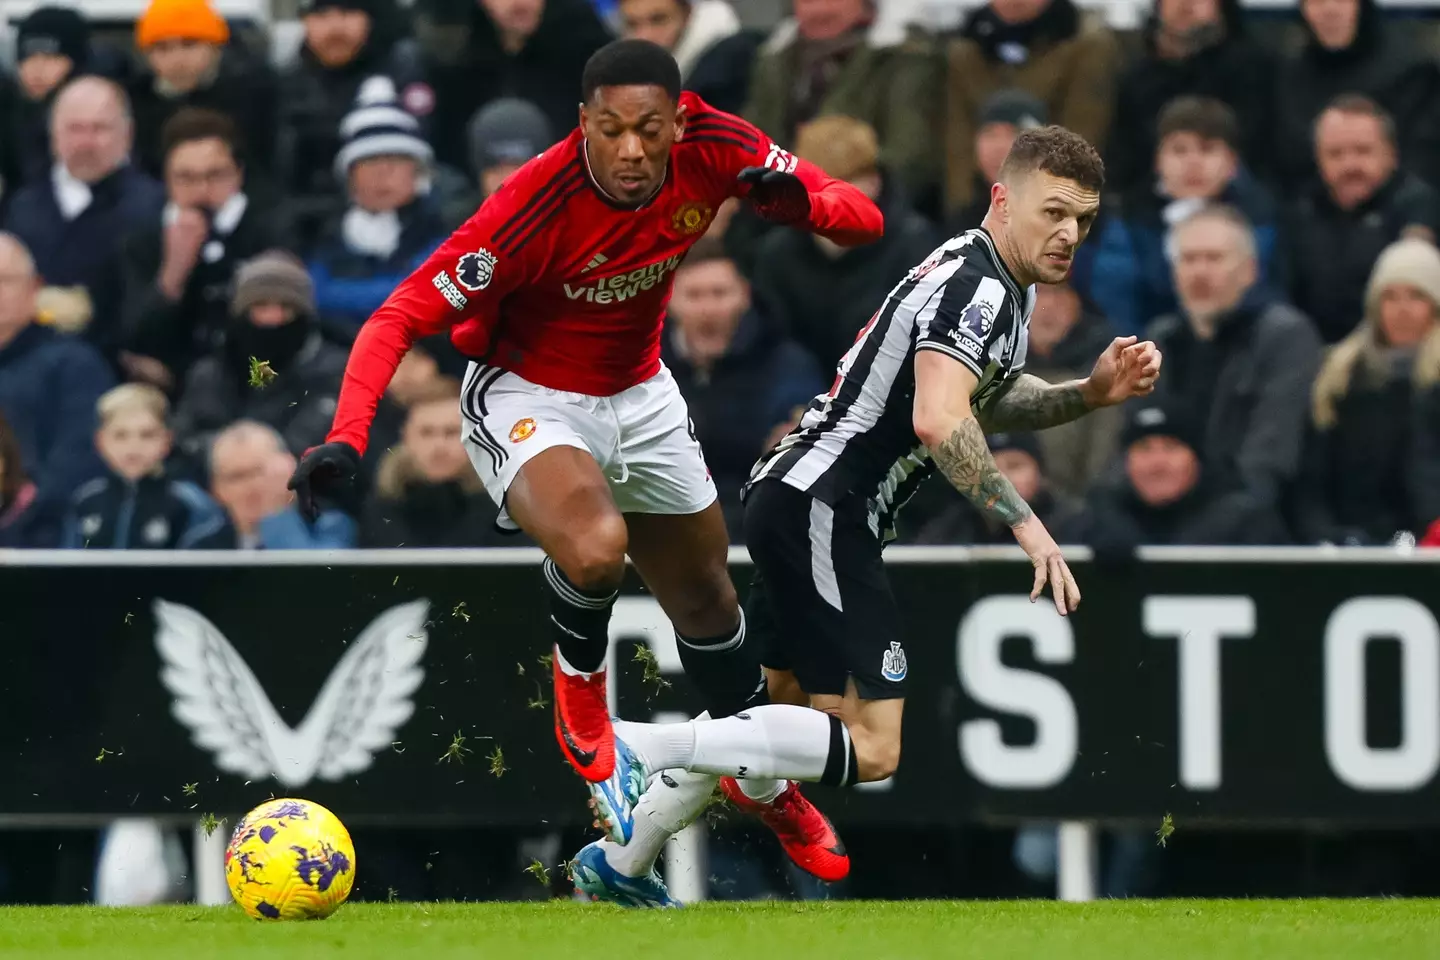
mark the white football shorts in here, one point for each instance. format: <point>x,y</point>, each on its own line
<point>642,438</point>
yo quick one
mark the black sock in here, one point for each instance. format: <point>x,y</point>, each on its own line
<point>725,671</point>
<point>841,770</point>
<point>579,620</point>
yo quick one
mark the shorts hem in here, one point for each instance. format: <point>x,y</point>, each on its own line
<point>674,511</point>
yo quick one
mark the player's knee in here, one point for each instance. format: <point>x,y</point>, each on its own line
<point>595,558</point>
<point>709,608</point>
<point>876,756</point>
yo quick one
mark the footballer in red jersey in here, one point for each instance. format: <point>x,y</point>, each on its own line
<point>556,290</point>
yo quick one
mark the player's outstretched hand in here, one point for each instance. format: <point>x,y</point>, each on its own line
<point>1126,369</point>
<point>1050,566</point>
<point>322,471</point>
<point>778,197</point>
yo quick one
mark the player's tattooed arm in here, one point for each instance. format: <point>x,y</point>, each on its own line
<point>965,460</point>
<point>1032,404</point>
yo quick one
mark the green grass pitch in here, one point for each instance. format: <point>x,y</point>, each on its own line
<point>1018,930</point>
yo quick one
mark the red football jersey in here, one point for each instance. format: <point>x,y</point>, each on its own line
<point>551,279</point>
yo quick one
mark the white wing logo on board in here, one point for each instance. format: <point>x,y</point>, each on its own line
<point>361,705</point>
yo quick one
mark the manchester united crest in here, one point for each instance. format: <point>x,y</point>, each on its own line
<point>522,430</point>
<point>692,217</point>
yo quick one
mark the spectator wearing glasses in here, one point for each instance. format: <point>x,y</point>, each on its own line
<point>179,270</point>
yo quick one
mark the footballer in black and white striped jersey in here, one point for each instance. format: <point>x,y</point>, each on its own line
<point>961,301</point>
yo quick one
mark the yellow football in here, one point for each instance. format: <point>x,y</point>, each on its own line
<point>290,860</point>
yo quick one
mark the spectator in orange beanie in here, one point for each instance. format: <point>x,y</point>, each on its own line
<point>186,46</point>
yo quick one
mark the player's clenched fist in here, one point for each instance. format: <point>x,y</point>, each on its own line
<point>323,470</point>
<point>778,197</point>
<point>1128,368</point>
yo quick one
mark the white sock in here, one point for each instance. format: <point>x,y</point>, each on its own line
<point>762,791</point>
<point>660,746</point>
<point>673,801</point>
<point>777,741</point>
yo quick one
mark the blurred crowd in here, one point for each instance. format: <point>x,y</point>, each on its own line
<point>194,226</point>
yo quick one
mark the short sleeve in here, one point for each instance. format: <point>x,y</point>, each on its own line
<point>960,319</point>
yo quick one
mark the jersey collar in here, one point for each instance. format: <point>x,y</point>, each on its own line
<point>600,191</point>
<point>1005,275</point>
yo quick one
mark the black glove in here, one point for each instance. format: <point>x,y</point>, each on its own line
<point>778,197</point>
<point>322,471</point>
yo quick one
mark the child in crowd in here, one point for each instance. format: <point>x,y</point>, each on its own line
<point>136,506</point>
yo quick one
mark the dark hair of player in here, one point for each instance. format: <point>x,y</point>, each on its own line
<point>1206,117</point>
<point>1058,152</point>
<point>1359,105</point>
<point>630,63</point>
<point>196,123</point>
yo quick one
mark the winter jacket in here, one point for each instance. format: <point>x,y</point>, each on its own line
<point>299,402</point>
<point>1385,63</point>
<point>821,301</point>
<point>744,395</point>
<point>153,513</point>
<point>1117,521</point>
<point>1355,481</point>
<point>179,332</point>
<point>49,384</point>
<point>1253,381</point>
<point>86,251</point>
<point>1366,469</point>
<point>1067,64</point>
<point>24,138</point>
<point>287,530</point>
<point>244,88</point>
<point>1233,69</point>
<point>1331,251</point>
<point>889,81</point>
<point>350,285</point>
<point>314,99</point>
<point>1132,279</point>
<point>1077,453</point>
<point>406,510</point>
<point>468,68</point>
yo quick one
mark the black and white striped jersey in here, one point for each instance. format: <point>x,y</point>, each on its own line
<point>859,436</point>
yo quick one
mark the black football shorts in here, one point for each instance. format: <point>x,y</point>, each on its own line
<point>820,602</point>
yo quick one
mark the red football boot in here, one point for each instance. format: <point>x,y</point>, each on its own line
<point>805,833</point>
<point>582,723</point>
